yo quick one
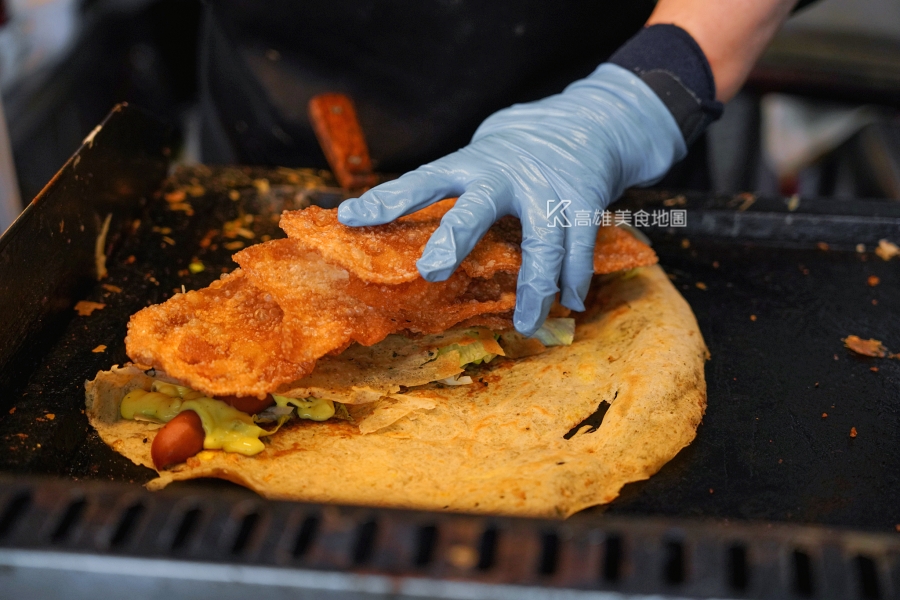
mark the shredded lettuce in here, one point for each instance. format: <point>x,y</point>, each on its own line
<point>556,332</point>
<point>469,354</point>
<point>315,409</point>
<point>341,412</point>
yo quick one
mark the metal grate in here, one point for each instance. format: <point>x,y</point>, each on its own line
<point>50,528</point>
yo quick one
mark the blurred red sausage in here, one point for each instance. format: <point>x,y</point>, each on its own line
<point>248,404</point>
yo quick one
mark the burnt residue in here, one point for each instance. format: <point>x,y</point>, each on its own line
<point>593,420</point>
<point>191,218</point>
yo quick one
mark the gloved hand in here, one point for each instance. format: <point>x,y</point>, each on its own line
<point>603,134</point>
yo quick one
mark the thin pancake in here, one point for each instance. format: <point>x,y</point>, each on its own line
<point>503,445</point>
<point>362,374</point>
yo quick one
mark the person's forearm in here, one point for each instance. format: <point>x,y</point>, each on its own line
<point>732,33</point>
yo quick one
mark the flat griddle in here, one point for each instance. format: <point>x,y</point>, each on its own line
<point>775,285</point>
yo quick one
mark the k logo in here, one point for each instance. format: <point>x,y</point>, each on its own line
<point>556,215</point>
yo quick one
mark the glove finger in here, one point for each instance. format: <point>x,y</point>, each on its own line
<point>412,191</point>
<point>578,265</point>
<point>542,257</point>
<point>461,228</point>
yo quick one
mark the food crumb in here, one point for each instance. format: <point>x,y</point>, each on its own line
<point>836,357</point>
<point>874,302</point>
<point>50,416</point>
<point>897,527</point>
<point>176,196</point>
<point>112,288</point>
<point>873,369</point>
<point>860,248</point>
<point>12,411</point>
<point>853,432</point>
<point>234,195</point>
<point>100,348</point>
<point>685,243</point>
<point>700,285</point>
<point>871,347</point>
<point>715,264</point>
<point>196,267</point>
<point>780,460</point>
<point>873,280</point>
<point>817,384</point>
<point>710,490</point>
<point>22,435</point>
<point>130,260</point>
<point>824,415</point>
<point>752,317</point>
<point>85,307</point>
<point>262,186</point>
<point>887,250</point>
<point>196,190</point>
<point>462,556</point>
<point>822,246</point>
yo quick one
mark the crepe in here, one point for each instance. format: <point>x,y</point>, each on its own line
<point>510,443</point>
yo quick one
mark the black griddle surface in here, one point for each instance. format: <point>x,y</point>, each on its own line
<point>763,452</point>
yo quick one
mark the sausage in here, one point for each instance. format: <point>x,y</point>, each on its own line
<point>180,439</point>
<point>248,404</point>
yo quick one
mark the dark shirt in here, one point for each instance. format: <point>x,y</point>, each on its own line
<point>423,74</point>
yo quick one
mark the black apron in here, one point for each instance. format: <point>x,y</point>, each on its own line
<point>423,74</point>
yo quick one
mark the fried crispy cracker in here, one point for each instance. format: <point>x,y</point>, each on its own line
<point>224,339</point>
<point>315,299</point>
<point>326,308</point>
<point>388,253</point>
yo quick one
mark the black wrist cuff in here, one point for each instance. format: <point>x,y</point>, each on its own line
<point>671,63</point>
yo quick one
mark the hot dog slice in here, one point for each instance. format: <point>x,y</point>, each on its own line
<point>248,404</point>
<point>180,439</point>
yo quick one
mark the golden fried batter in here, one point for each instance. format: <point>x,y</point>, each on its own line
<point>388,253</point>
<point>225,339</point>
<point>326,308</point>
<point>296,300</point>
<point>617,250</point>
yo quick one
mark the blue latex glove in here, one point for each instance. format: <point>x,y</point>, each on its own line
<point>603,134</point>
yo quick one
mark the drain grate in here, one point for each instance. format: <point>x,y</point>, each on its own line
<point>632,557</point>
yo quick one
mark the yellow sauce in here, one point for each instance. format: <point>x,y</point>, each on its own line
<point>153,406</point>
<point>226,427</point>
<point>314,409</point>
